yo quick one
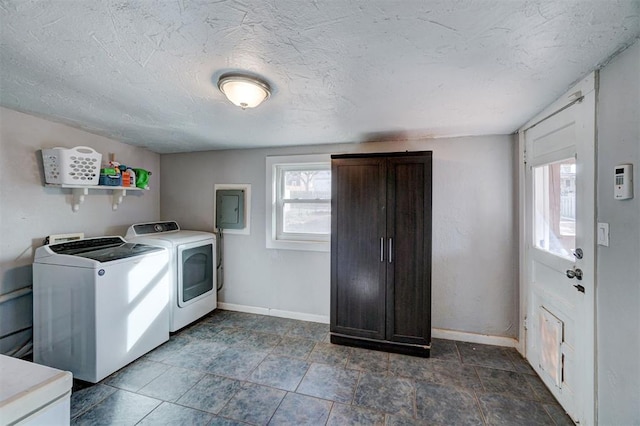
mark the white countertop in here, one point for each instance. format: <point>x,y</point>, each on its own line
<point>26,387</point>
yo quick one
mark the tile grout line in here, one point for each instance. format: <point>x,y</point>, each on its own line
<point>99,402</point>
<point>355,389</point>
<point>415,399</point>
<point>303,377</point>
<point>279,404</point>
<point>333,403</point>
<point>483,416</point>
<point>149,413</point>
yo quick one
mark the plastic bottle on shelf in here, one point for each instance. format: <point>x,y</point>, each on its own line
<point>142,178</point>
<point>132,177</point>
<point>126,179</point>
<point>124,176</point>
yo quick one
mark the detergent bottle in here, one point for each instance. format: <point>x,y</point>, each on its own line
<point>125,178</point>
<point>142,178</point>
<point>132,177</point>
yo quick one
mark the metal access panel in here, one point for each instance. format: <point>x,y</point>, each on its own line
<point>551,337</point>
<point>230,209</point>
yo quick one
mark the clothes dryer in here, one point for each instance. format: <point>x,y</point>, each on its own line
<point>192,268</point>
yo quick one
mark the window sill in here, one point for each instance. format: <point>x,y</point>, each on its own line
<point>321,246</point>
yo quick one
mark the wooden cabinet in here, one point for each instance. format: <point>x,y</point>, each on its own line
<point>381,251</point>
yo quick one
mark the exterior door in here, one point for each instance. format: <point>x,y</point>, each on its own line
<point>559,250</point>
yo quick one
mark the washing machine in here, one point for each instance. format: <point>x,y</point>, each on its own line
<point>98,304</point>
<point>192,268</point>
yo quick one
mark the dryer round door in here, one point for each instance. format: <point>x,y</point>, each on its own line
<point>196,271</point>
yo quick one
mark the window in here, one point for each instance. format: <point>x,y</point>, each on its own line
<point>299,202</point>
<point>555,207</point>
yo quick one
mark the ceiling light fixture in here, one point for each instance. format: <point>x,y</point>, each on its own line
<point>243,90</point>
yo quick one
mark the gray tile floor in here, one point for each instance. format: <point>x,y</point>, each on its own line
<point>234,368</point>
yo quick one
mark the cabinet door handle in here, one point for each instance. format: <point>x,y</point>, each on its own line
<point>390,250</point>
<point>381,249</point>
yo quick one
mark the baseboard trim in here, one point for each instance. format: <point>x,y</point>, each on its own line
<point>274,312</point>
<point>438,333</point>
<point>485,339</point>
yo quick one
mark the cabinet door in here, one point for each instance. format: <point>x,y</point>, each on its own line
<point>358,230</point>
<point>409,236</point>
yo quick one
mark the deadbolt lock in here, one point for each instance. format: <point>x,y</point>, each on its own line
<point>578,253</point>
<point>577,274</point>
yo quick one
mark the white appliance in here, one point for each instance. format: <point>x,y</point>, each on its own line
<point>98,304</point>
<point>32,394</point>
<point>192,268</point>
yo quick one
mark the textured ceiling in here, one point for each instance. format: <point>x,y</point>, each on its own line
<point>145,72</point>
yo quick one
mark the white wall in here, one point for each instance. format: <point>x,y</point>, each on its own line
<point>29,211</point>
<point>618,286</point>
<point>474,275</point>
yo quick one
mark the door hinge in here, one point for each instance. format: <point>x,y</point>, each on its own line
<point>526,327</point>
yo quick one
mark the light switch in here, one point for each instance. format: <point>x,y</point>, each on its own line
<point>603,234</point>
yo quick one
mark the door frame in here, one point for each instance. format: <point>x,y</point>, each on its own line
<point>587,88</point>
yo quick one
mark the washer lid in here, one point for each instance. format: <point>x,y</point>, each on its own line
<point>104,249</point>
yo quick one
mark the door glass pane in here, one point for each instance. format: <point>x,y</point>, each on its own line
<point>197,271</point>
<point>555,207</point>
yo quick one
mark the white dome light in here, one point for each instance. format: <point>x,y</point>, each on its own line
<point>244,91</point>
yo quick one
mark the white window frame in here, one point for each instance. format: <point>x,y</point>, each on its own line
<point>275,238</point>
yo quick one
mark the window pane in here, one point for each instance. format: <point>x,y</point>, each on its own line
<point>307,184</point>
<point>307,218</point>
<point>555,207</point>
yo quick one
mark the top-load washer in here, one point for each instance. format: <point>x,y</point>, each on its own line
<point>192,268</point>
<point>98,304</point>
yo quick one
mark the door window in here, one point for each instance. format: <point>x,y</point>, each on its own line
<point>555,207</point>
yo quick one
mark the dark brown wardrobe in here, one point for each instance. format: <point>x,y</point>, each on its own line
<point>381,251</point>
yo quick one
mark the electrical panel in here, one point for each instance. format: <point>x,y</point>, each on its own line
<point>230,209</point>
